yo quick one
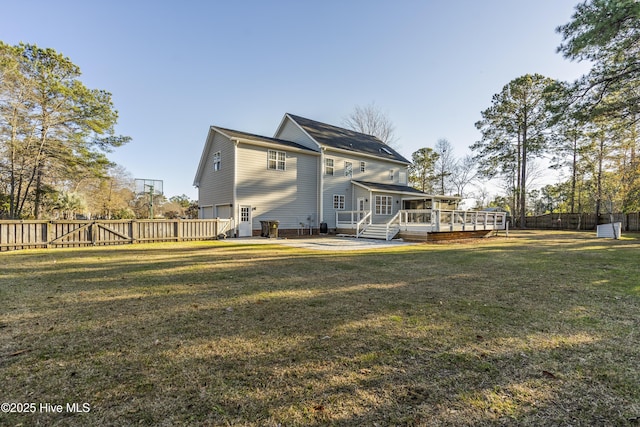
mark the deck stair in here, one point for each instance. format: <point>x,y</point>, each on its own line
<point>379,231</point>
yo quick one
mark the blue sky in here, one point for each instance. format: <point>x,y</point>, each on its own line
<point>175,68</point>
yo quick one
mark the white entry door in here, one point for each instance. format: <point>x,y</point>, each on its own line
<point>244,226</point>
<point>361,208</point>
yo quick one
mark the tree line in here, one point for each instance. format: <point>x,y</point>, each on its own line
<point>55,135</point>
<point>587,129</point>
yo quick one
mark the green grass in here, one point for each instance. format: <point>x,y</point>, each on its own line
<point>537,329</point>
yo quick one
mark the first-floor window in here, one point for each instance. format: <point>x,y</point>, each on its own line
<point>276,160</point>
<point>383,205</point>
<point>338,201</point>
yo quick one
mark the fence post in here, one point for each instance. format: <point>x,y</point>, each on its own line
<point>178,230</point>
<point>48,233</point>
<point>134,231</point>
<point>93,231</point>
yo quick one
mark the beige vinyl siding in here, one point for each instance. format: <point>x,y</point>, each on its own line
<point>216,187</point>
<point>292,132</point>
<point>287,196</point>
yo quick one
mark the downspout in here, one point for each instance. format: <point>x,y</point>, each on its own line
<point>234,200</point>
<point>321,192</point>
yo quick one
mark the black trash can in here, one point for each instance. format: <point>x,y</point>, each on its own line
<point>324,229</point>
<point>269,228</point>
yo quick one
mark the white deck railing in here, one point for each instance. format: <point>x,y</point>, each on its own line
<point>362,224</point>
<point>428,220</point>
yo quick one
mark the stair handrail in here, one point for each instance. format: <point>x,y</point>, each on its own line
<point>361,223</point>
<point>395,218</point>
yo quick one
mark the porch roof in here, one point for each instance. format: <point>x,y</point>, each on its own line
<point>405,190</point>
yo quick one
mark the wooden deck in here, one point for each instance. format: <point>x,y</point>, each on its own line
<point>419,223</point>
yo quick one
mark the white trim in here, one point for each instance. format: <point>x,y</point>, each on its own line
<point>235,210</point>
<point>217,154</point>
<point>389,205</point>
<point>277,160</point>
<point>276,146</point>
<point>333,166</point>
<point>203,157</point>
<point>410,194</point>
<point>348,170</point>
<point>354,154</point>
<point>320,194</point>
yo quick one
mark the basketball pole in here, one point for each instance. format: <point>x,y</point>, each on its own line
<point>150,201</point>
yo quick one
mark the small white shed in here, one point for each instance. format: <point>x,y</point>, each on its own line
<point>609,231</point>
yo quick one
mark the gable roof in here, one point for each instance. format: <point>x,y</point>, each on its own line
<point>346,139</point>
<point>245,137</point>
<point>250,137</point>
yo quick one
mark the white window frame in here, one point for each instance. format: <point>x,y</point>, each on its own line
<point>245,213</point>
<point>402,177</point>
<point>363,166</point>
<point>217,161</point>
<point>383,208</point>
<point>328,166</point>
<point>276,160</point>
<point>348,169</point>
<point>338,202</point>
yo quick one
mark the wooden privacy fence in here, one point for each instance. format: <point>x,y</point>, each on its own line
<point>565,221</point>
<point>55,234</point>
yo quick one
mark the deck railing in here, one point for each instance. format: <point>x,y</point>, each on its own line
<point>362,224</point>
<point>432,220</point>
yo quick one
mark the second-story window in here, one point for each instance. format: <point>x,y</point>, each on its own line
<point>328,166</point>
<point>216,161</point>
<point>363,166</point>
<point>276,160</point>
<point>348,169</point>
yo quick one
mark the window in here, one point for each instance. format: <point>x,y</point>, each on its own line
<point>383,205</point>
<point>402,177</point>
<point>328,166</point>
<point>348,169</point>
<point>391,174</point>
<point>216,161</point>
<point>276,160</point>
<point>244,214</point>
<point>362,166</point>
<point>338,201</point>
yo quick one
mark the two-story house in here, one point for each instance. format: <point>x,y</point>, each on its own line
<point>304,177</point>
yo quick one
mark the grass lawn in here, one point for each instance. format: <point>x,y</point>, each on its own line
<point>542,328</point>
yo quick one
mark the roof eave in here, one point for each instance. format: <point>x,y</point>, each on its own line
<point>360,153</point>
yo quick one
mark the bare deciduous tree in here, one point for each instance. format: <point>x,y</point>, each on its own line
<point>371,121</point>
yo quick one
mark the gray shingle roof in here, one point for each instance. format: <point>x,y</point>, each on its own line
<point>244,135</point>
<point>345,139</point>
<point>376,186</point>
